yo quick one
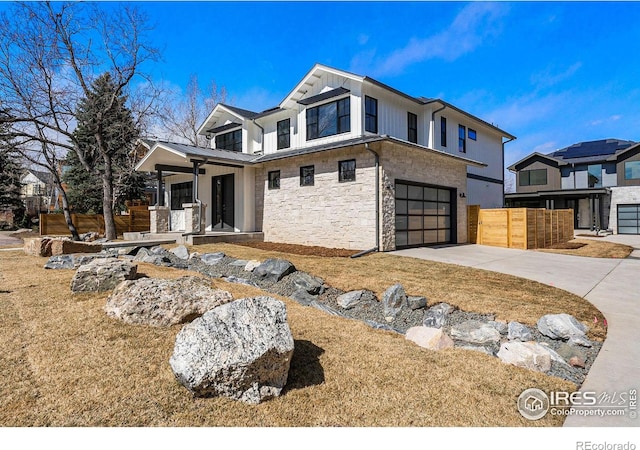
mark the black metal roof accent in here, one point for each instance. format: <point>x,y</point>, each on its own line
<point>324,96</point>
<point>222,128</point>
<point>243,112</point>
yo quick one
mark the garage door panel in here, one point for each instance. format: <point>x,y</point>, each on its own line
<point>628,219</point>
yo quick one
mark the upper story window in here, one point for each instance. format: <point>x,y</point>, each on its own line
<point>230,141</point>
<point>462,139</point>
<point>412,127</point>
<point>307,175</point>
<point>181,193</point>
<point>443,131</point>
<point>274,179</point>
<point>472,134</point>
<point>284,134</point>
<point>594,172</point>
<point>329,119</point>
<point>370,114</point>
<point>533,177</point>
<point>347,170</point>
<point>632,170</point>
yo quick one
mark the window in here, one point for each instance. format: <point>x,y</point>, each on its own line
<point>230,141</point>
<point>347,170</point>
<point>370,114</point>
<point>462,141</point>
<point>284,133</point>
<point>472,134</point>
<point>632,170</point>
<point>595,175</point>
<point>306,175</point>
<point>329,119</point>
<point>412,128</point>
<point>443,131</point>
<point>181,193</point>
<point>274,179</point>
<point>533,177</point>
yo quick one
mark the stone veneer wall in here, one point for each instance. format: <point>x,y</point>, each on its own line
<point>621,195</point>
<point>329,213</point>
<point>409,164</point>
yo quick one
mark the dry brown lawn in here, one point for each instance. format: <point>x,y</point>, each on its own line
<point>591,248</point>
<point>65,363</point>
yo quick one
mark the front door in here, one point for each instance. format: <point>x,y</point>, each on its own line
<point>223,196</point>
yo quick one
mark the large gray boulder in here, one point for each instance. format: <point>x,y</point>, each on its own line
<point>181,252</point>
<point>393,300</point>
<point>308,283</point>
<point>564,327</point>
<point>436,316</point>
<point>430,338</point>
<point>162,303</point>
<point>351,299</point>
<point>475,333</point>
<point>102,274</point>
<point>241,350</point>
<point>274,269</point>
<point>529,355</point>
<point>519,332</point>
<point>211,259</point>
<point>153,256</point>
<point>73,261</point>
<point>416,302</point>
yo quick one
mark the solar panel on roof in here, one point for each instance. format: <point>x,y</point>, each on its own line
<point>592,148</point>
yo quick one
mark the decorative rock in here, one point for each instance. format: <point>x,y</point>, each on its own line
<point>148,256</point>
<point>393,300</point>
<point>308,283</point>
<point>251,265</point>
<point>436,316</point>
<point>565,327</point>
<point>37,246</point>
<point>181,252</point>
<point>274,269</point>
<point>568,351</point>
<point>132,250</point>
<point>239,263</point>
<point>65,247</point>
<point>576,362</point>
<point>499,325</point>
<point>554,355</point>
<point>102,275</point>
<point>232,279</point>
<point>529,355</point>
<point>430,338</point>
<point>240,350</point>
<point>350,299</point>
<point>519,332</point>
<point>89,236</point>
<point>474,332</point>
<point>303,297</point>
<point>162,303</point>
<point>60,262</point>
<point>416,302</point>
<point>382,326</point>
<point>327,309</point>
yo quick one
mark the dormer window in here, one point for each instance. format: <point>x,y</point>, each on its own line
<point>329,119</point>
<point>230,141</point>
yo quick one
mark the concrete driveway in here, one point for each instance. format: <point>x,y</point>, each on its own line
<point>612,285</point>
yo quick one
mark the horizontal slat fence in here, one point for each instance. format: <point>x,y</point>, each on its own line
<point>524,228</point>
<point>137,220</point>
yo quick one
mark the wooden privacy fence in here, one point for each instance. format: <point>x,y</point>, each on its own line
<point>137,220</point>
<point>524,228</point>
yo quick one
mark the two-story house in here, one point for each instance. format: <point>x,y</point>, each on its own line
<point>38,191</point>
<point>342,161</point>
<point>599,180</point>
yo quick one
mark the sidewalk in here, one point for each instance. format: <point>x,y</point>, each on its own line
<point>612,285</point>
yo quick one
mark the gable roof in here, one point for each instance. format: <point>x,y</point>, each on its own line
<point>532,156</point>
<point>42,176</point>
<point>591,150</point>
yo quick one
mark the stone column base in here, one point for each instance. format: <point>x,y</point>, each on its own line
<point>159,219</point>
<point>193,217</point>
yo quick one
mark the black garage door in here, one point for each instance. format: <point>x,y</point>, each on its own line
<point>425,215</point>
<point>628,219</point>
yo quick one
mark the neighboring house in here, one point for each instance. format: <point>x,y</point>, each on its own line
<point>37,191</point>
<point>599,180</point>
<point>342,161</point>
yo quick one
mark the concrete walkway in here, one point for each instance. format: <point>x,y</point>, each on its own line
<point>612,285</point>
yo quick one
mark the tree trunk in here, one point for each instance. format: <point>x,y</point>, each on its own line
<point>65,210</point>
<point>107,200</point>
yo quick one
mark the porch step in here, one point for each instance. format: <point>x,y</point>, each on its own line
<point>138,243</point>
<point>224,237</point>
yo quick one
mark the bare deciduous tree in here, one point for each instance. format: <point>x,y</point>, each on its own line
<point>182,115</point>
<point>50,54</point>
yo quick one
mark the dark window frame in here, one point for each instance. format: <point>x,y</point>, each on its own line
<point>370,114</point>
<point>462,138</point>
<point>471,134</point>
<point>524,178</point>
<point>443,131</point>
<point>273,178</point>
<point>346,174</point>
<point>342,119</point>
<point>412,127</point>
<point>181,193</point>
<point>304,180</point>
<point>231,141</point>
<point>283,133</point>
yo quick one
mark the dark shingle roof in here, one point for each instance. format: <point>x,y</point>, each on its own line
<point>243,112</point>
<point>591,150</point>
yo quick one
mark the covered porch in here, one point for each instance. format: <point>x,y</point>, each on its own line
<point>201,193</point>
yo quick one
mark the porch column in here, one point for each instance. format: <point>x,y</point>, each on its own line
<point>159,196</point>
<point>194,192</point>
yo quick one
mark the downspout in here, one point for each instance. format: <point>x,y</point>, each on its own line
<point>377,247</point>
<point>515,187</point>
<point>432,131</point>
<point>196,170</point>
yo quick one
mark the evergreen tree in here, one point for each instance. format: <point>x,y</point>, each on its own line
<point>103,139</point>
<point>84,189</point>
<point>10,186</point>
